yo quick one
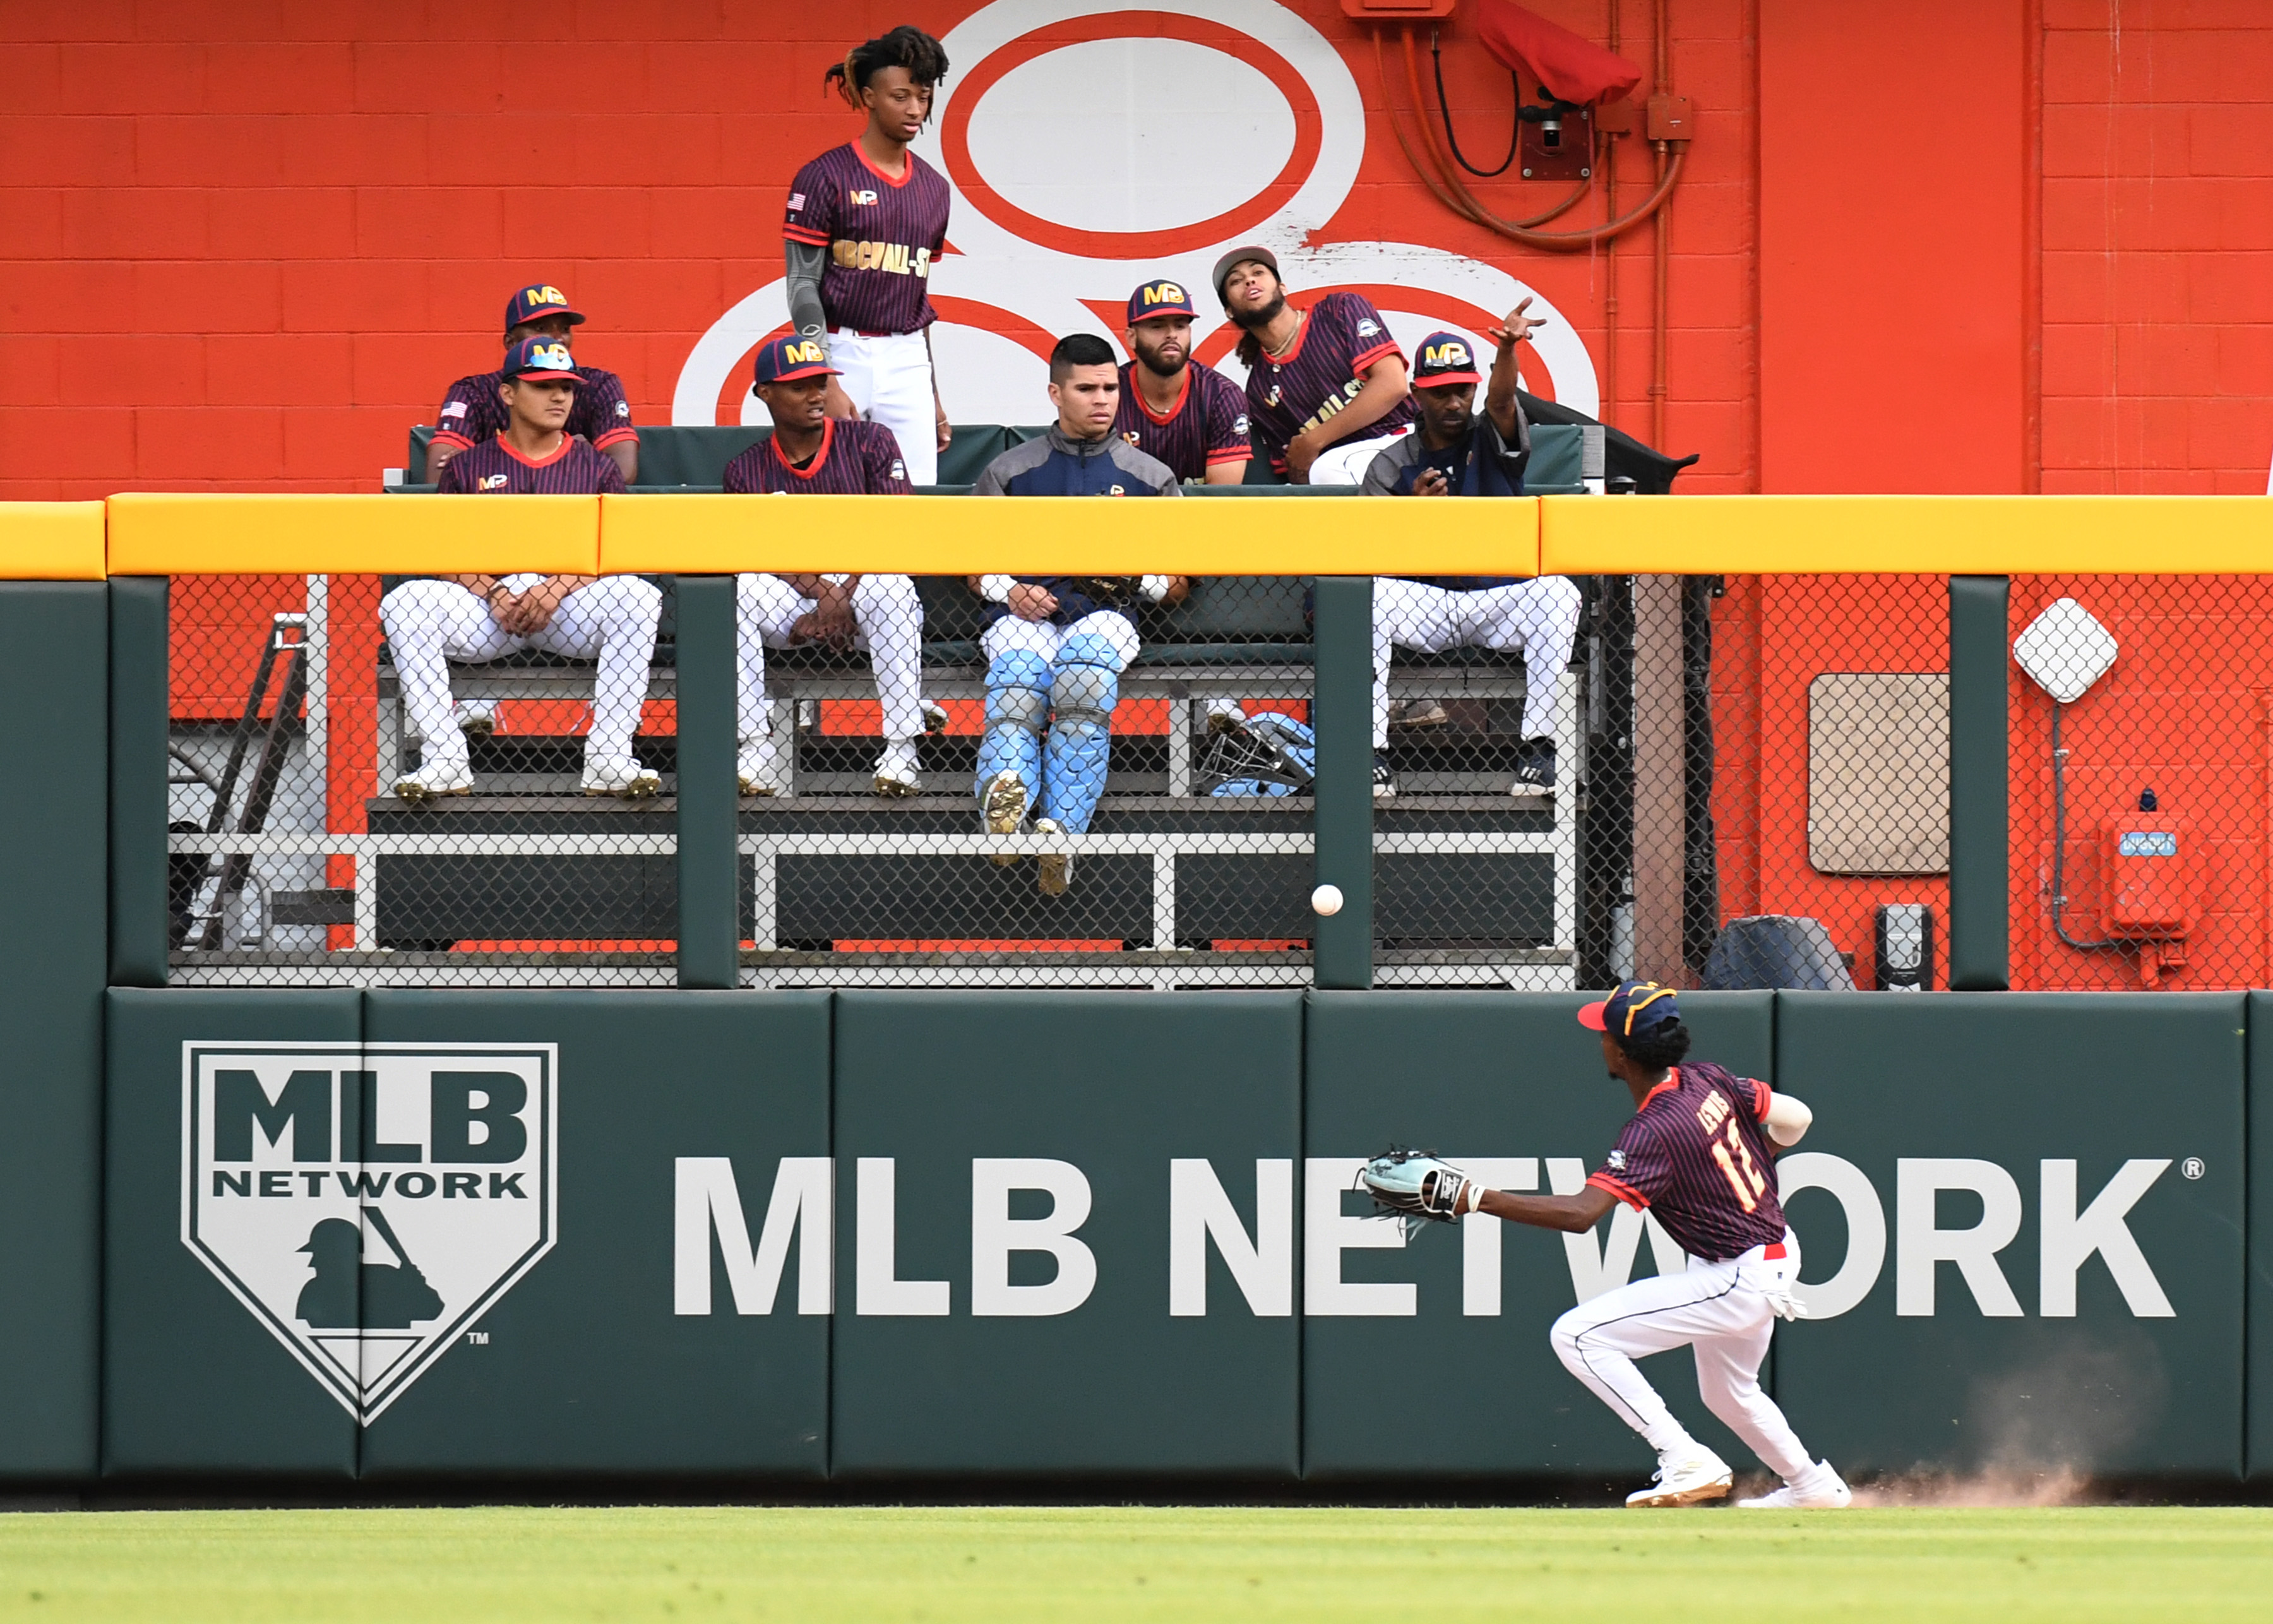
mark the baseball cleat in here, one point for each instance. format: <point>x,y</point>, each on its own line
<point>1818,1488</point>
<point>623,778</point>
<point>430,784</point>
<point>1384,781</point>
<point>1056,869</point>
<point>1420,713</point>
<point>478,720</point>
<point>1224,716</point>
<point>935,716</point>
<point>896,769</point>
<point>1535,766</point>
<point>758,768</point>
<point>1688,1481</point>
<point>1003,807</point>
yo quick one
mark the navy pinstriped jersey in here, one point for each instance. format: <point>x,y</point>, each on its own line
<point>882,237</point>
<point>472,413</point>
<point>856,458</point>
<point>495,469</point>
<point>1696,1155</point>
<point>1208,425</point>
<point>1322,374</point>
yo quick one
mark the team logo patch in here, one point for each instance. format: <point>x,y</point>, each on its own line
<point>368,1202</point>
<point>623,408</point>
<point>899,469</point>
<point>1132,436</point>
<point>1271,399</point>
<point>861,197</point>
<point>494,482</point>
<point>1617,1162</point>
<point>1367,327</point>
<point>1239,424</point>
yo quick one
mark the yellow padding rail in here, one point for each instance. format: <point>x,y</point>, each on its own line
<point>1907,535</point>
<point>159,534</point>
<point>51,541</point>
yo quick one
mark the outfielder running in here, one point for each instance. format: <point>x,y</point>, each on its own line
<point>1696,1152</point>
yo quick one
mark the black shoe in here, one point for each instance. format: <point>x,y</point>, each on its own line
<point>1384,781</point>
<point>1534,765</point>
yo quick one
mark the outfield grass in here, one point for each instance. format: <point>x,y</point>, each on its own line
<point>1093,1564</point>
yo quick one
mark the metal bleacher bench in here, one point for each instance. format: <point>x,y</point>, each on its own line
<point>828,861</point>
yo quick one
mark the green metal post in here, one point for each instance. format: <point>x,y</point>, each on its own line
<point>709,912</point>
<point>138,713</point>
<point>1342,714</point>
<point>1979,898</point>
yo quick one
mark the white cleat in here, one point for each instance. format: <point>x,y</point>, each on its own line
<point>1056,869</point>
<point>625,780</point>
<point>1818,1488</point>
<point>1003,807</point>
<point>897,769</point>
<point>758,769</point>
<point>430,784</point>
<point>1692,1479</point>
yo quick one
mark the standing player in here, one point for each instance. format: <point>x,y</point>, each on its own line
<point>1326,387</point>
<point>472,413</point>
<point>866,224</point>
<point>1056,645</point>
<point>812,452</point>
<point>479,617</point>
<point>1697,1154</point>
<point>1191,418</point>
<point>1454,453</point>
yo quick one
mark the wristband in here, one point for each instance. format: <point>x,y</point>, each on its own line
<point>1154,588</point>
<point>996,589</point>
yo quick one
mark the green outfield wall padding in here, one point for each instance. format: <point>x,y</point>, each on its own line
<point>52,971</point>
<point>135,749</point>
<point>629,1347</point>
<point>972,1337</point>
<point>2259,1443</point>
<point>1425,1359</point>
<point>203,1373</point>
<point>2059,1182</point>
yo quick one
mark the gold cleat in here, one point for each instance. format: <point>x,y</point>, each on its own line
<point>1004,808</point>
<point>1056,869</point>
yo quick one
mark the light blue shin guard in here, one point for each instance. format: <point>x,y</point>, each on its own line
<point>1085,689</point>
<point>1017,710</point>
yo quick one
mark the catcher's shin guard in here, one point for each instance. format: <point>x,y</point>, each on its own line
<point>1017,710</point>
<point>1085,689</point>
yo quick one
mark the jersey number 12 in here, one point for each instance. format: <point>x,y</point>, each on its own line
<point>1745,1181</point>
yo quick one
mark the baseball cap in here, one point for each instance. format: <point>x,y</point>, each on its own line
<point>535,302</point>
<point>1634,1009</point>
<point>1252,251</point>
<point>1444,358</point>
<point>1162,296</point>
<point>781,360</point>
<point>543,358</point>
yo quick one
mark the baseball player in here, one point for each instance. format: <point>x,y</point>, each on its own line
<point>866,224</point>
<point>480,617</point>
<point>1696,1152</point>
<point>810,451</point>
<point>472,414</point>
<point>1191,418</point>
<point>1454,454</point>
<point>1326,387</point>
<point>1056,645</point>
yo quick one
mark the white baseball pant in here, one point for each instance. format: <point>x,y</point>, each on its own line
<point>889,379</point>
<point>1725,1312</point>
<point>887,617</point>
<point>1042,638</point>
<point>612,619</point>
<point>1537,619</point>
<point>1347,462</point>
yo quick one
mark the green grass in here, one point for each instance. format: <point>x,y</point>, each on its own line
<point>1100,1564</point>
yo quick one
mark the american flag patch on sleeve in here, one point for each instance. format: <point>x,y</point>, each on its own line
<point>796,201</point>
<point>456,409</point>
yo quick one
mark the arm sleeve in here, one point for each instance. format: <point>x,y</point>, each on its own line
<point>1637,1171</point>
<point>811,216</point>
<point>607,415</point>
<point>887,467</point>
<point>807,313</point>
<point>1227,439</point>
<point>454,424</point>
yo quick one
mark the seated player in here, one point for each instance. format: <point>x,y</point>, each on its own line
<point>1056,645</point>
<point>471,414</point>
<point>1456,454</point>
<point>812,452</point>
<point>478,617</point>
<point>1191,418</point>
<point>1326,386</point>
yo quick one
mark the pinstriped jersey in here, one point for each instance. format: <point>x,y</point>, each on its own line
<point>882,235</point>
<point>856,458</point>
<point>1208,425</point>
<point>472,412</point>
<point>1696,1156</point>
<point>495,469</point>
<point>1321,374</point>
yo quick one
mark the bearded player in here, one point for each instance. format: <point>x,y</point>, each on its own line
<point>1326,386</point>
<point>1696,1153</point>
<point>865,225</point>
<point>1191,418</point>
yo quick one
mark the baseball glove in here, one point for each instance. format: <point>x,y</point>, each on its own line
<point>1415,1185</point>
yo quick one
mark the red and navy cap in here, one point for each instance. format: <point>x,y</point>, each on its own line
<point>783,359</point>
<point>1634,1009</point>
<point>1444,358</point>
<point>535,304</point>
<point>1163,295</point>
<point>544,360</point>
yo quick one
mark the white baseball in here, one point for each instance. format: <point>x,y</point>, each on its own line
<point>1326,901</point>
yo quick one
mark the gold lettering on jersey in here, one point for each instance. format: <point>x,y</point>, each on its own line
<point>897,258</point>
<point>1331,405</point>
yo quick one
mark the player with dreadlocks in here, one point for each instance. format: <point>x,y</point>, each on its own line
<point>866,224</point>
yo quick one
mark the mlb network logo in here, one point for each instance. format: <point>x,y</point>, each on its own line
<point>368,1202</point>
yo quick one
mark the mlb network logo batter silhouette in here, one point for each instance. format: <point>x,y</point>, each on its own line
<point>368,1202</point>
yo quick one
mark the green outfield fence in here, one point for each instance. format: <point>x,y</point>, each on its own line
<point>318,1222</point>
